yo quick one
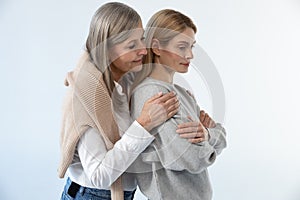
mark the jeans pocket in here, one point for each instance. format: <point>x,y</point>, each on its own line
<point>65,196</point>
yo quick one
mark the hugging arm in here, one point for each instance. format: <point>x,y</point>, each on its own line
<point>103,166</point>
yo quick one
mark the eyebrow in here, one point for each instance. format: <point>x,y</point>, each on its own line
<point>134,40</point>
<point>187,42</point>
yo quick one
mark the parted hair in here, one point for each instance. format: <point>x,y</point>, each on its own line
<point>110,25</point>
<point>163,26</point>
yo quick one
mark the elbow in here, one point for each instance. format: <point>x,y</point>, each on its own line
<point>203,163</point>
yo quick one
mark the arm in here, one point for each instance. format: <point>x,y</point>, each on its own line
<point>172,151</point>
<point>217,138</point>
<point>195,133</point>
<point>104,166</point>
<point>216,132</point>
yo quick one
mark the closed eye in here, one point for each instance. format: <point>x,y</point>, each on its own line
<point>131,46</point>
<point>182,47</point>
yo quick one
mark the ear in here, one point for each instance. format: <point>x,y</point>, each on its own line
<point>155,46</point>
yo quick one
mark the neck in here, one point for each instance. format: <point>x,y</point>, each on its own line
<point>116,77</point>
<point>116,74</point>
<point>162,73</point>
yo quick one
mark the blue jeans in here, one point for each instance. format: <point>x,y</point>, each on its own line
<point>86,193</point>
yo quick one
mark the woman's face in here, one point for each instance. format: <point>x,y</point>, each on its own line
<point>177,54</point>
<point>128,55</point>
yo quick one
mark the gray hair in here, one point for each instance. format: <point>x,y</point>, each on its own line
<point>111,24</point>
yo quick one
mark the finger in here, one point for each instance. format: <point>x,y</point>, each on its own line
<point>172,110</point>
<point>190,118</point>
<point>201,126</point>
<point>196,140</point>
<point>188,130</point>
<point>173,107</point>
<point>189,135</point>
<point>166,96</point>
<point>202,116</point>
<point>155,97</point>
<point>170,101</point>
<point>171,114</point>
<point>192,135</point>
<point>207,119</point>
<point>188,124</point>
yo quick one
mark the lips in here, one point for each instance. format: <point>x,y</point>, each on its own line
<point>138,61</point>
<point>185,64</point>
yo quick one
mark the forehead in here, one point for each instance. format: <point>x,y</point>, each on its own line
<point>188,35</point>
<point>137,32</point>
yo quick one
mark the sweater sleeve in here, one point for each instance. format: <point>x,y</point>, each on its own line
<point>104,166</point>
<point>217,137</point>
<point>168,148</point>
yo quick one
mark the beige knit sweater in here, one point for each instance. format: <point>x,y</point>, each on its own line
<point>87,104</point>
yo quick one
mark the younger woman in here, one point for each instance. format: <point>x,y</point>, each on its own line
<point>171,168</point>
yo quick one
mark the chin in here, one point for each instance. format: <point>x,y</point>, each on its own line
<point>136,69</point>
<point>183,71</point>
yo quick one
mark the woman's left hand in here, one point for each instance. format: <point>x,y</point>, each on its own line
<point>206,120</point>
<point>193,131</point>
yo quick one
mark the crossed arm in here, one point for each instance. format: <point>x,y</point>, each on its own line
<point>170,149</point>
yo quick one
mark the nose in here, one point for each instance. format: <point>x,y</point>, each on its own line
<point>189,55</point>
<point>142,48</point>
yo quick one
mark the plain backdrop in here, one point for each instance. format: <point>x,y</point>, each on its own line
<point>254,45</point>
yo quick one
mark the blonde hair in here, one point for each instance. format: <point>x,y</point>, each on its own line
<point>163,26</point>
<point>110,25</point>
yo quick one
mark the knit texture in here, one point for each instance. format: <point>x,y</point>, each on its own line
<point>87,104</point>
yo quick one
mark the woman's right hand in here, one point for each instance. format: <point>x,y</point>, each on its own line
<point>158,109</point>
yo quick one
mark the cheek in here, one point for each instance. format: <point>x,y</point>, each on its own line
<point>120,63</point>
<point>124,62</point>
<point>119,55</point>
<point>173,56</point>
<point>127,58</point>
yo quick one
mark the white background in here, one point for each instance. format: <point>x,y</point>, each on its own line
<point>254,45</point>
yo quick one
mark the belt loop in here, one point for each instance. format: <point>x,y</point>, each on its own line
<point>81,190</point>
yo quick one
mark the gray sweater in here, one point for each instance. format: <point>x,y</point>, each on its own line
<point>171,168</point>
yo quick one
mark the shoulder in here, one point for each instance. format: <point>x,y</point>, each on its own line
<point>185,92</point>
<point>151,86</point>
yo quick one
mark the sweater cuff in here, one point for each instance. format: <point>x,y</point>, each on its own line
<point>214,134</point>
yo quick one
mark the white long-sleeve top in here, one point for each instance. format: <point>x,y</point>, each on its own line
<point>96,167</point>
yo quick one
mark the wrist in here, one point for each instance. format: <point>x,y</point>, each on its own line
<point>144,123</point>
